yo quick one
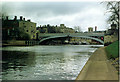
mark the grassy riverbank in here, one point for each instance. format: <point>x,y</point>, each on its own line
<point>112,50</point>
<point>113,54</point>
<point>19,43</point>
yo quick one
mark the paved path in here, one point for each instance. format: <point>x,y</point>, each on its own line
<point>98,68</point>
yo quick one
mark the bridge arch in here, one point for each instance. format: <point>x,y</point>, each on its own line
<point>88,37</point>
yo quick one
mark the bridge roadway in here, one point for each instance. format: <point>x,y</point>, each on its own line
<point>70,34</point>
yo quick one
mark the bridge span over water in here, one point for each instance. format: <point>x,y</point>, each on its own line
<point>71,34</point>
<point>93,36</point>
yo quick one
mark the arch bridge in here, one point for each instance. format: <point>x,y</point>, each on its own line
<point>93,36</point>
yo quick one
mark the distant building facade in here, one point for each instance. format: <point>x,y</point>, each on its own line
<point>55,29</point>
<point>90,29</point>
<point>9,27</point>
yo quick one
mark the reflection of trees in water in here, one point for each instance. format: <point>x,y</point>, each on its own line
<point>17,60</point>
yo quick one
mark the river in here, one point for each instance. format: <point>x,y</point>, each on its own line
<point>45,62</point>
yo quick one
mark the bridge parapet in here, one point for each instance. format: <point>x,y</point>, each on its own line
<point>70,34</point>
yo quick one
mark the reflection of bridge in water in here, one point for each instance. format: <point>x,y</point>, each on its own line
<point>99,37</point>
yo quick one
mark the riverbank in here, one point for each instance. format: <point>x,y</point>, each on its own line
<point>112,50</point>
<point>98,67</point>
<point>19,43</point>
<point>113,54</point>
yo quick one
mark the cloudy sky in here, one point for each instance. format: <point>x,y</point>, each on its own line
<point>84,14</point>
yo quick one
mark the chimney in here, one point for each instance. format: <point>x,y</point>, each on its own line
<point>95,28</point>
<point>6,17</point>
<point>15,18</point>
<point>24,19</point>
<point>21,18</point>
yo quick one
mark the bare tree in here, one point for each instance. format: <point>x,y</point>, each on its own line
<point>113,9</point>
<point>77,28</point>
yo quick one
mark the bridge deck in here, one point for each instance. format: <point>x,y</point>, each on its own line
<point>71,34</point>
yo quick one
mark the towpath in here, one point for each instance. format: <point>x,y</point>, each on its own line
<point>98,67</point>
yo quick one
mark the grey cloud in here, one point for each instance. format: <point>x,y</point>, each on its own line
<point>40,12</point>
<point>44,8</point>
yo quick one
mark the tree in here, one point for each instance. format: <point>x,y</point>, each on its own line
<point>77,28</point>
<point>113,9</point>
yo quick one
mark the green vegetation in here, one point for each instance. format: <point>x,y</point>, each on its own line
<point>112,50</point>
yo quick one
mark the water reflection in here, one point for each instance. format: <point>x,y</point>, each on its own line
<point>17,59</point>
<point>44,62</point>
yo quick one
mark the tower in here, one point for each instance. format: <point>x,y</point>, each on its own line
<point>95,28</point>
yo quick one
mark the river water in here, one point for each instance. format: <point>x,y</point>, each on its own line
<point>45,62</point>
